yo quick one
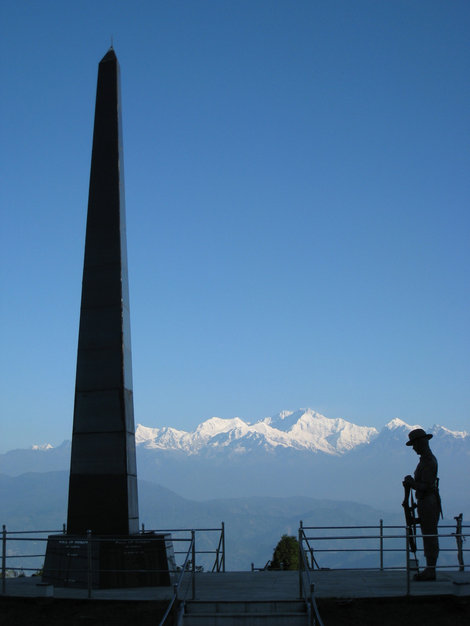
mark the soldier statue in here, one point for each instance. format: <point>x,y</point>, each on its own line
<point>426,484</point>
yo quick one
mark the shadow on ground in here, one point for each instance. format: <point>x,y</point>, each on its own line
<point>438,611</point>
<point>435,611</point>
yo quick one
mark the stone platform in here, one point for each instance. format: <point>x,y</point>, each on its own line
<point>260,586</point>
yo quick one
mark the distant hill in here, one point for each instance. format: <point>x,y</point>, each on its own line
<point>253,525</point>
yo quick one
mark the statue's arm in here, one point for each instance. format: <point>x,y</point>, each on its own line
<point>425,475</point>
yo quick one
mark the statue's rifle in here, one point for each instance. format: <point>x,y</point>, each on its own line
<point>409,507</point>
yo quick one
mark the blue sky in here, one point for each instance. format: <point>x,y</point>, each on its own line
<point>297,196</point>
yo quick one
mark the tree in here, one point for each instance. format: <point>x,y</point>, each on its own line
<point>286,554</point>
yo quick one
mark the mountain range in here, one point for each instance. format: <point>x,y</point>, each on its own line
<point>301,453</point>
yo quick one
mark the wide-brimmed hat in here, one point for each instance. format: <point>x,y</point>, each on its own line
<point>417,433</point>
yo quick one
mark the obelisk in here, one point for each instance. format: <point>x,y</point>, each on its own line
<point>103,475</point>
<point>102,546</point>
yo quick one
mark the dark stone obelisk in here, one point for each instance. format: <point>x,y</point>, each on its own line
<point>103,475</point>
<point>102,546</point>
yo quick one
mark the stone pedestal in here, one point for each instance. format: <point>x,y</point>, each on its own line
<point>145,560</point>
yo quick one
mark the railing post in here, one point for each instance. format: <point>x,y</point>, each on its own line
<point>4,557</point>
<point>458,539</point>
<point>193,556</point>
<point>223,546</point>
<point>89,563</point>
<point>381,545</point>
<point>300,558</point>
<point>64,529</point>
<point>407,561</point>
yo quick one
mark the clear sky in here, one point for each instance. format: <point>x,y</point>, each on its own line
<point>297,191</point>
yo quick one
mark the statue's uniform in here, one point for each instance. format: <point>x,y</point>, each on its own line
<point>429,505</point>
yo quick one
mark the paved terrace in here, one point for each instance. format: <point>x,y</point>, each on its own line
<point>265,585</point>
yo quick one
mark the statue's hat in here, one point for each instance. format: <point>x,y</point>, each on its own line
<point>417,433</point>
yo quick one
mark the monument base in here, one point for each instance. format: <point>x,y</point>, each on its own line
<point>103,562</point>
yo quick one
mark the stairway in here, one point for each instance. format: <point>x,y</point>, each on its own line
<point>245,613</point>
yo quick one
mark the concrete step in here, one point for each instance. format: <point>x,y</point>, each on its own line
<point>256,613</point>
<point>245,606</point>
<point>246,619</point>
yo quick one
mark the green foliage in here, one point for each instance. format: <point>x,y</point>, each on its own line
<point>286,554</point>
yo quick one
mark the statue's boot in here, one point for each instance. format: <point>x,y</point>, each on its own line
<point>429,573</point>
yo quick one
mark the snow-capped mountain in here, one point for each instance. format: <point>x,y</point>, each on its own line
<point>300,430</point>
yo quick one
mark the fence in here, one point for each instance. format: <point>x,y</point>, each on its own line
<point>24,552</point>
<point>388,541</point>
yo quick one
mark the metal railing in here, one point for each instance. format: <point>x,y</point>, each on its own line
<point>219,566</point>
<point>177,585</point>
<point>378,544</point>
<point>15,558</point>
<point>307,589</point>
<point>34,537</point>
